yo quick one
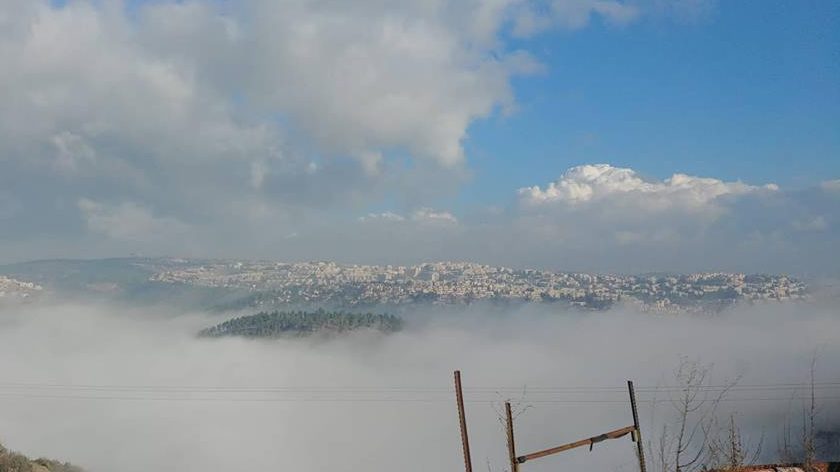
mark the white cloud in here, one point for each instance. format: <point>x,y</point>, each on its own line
<point>430,215</point>
<point>184,81</point>
<point>599,182</point>
<point>357,79</point>
<point>421,215</point>
<point>385,216</point>
<point>129,221</point>
<point>613,213</point>
<point>77,86</point>
<point>534,17</point>
<point>207,112</point>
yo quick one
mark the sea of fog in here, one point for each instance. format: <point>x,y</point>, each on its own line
<point>125,389</point>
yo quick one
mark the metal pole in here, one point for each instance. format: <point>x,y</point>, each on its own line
<point>462,418</point>
<point>514,463</point>
<point>637,434</point>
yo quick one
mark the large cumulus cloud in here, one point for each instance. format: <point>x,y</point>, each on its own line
<point>618,204</point>
<point>682,222</point>
<point>587,183</point>
<point>251,113</point>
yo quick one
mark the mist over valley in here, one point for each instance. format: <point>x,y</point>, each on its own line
<point>111,386</point>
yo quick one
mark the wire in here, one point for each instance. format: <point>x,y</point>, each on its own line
<point>360,400</point>
<point>315,389</point>
<point>358,394</point>
<point>333,398</point>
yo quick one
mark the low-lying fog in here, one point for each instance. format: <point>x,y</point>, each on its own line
<point>122,389</point>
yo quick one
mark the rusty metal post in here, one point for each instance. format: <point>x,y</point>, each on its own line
<point>514,463</point>
<point>637,434</point>
<point>462,418</point>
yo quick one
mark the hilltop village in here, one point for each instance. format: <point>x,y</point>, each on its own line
<point>462,282</point>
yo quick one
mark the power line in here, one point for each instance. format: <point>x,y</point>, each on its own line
<point>400,394</point>
<point>362,389</point>
<point>384,399</point>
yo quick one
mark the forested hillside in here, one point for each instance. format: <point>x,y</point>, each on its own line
<point>302,323</point>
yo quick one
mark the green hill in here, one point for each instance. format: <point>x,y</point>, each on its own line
<point>302,323</point>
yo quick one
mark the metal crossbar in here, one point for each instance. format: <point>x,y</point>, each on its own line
<point>618,433</point>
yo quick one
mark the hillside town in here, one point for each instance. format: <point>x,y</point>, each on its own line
<point>276,283</point>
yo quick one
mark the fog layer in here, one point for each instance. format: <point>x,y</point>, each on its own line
<point>123,389</point>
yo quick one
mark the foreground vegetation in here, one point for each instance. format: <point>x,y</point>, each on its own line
<point>13,462</point>
<point>302,323</point>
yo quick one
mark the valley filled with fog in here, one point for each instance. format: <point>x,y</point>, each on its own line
<point>113,387</point>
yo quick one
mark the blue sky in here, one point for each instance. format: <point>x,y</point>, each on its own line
<point>749,91</point>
